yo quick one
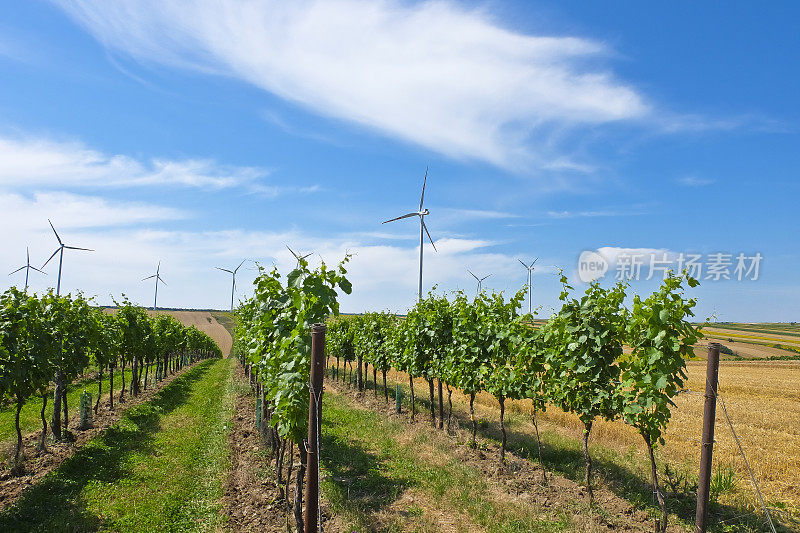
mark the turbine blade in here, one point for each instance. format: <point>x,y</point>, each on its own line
<point>20,268</point>
<point>225,269</point>
<point>37,270</point>
<point>148,277</point>
<point>307,255</point>
<point>404,216</point>
<point>28,254</point>
<point>422,221</point>
<point>521,263</point>
<point>486,276</point>
<point>240,266</point>
<point>534,261</point>
<point>52,256</point>
<point>54,231</point>
<point>161,280</point>
<point>294,254</point>
<point>473,275</point>
<point>76,248</point>
<point>421,198</point>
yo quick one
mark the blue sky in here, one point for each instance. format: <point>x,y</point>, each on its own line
<point>201,133</point>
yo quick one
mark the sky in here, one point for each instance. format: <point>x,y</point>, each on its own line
<point>199,134</point>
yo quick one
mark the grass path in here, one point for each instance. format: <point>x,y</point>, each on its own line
<point>160,468</point>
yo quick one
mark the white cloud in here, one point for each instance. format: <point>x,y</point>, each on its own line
<point>383,276</point>
<point>434,73</point>
<point>32,162</point>
<point>66,210</point>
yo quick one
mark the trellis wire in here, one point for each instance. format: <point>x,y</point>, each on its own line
<point>747,464</point>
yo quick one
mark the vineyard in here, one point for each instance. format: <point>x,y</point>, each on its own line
<point>48,342</point>
<point>457,398</point>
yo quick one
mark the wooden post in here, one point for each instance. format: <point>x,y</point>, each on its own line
<point>311,514</point>
<point>707,444</point>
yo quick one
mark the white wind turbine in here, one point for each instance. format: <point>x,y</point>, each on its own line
<point>479,280</point>
<point>233,274</point>
<point>299,257</point>
<point>157,277</point>
<point>421,213</point>
<point>60,250</point>
<point>27,268</point>
<point>529,268</point>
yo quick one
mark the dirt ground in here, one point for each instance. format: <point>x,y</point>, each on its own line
<point>250,496</point>
<point>39,464</point>
<point>747,350</point>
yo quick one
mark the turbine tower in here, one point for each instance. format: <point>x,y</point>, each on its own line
<point>60,250</point>
<point>298,256</point>
<point>421,213</point>
<point>233,274</point>
<point>27,268</point>
<point>479,280</point>
<point>157,276</point>
<point>529,268</point>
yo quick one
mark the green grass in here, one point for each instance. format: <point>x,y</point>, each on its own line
<point>29,420</point>
<point>225,318</point>
<point>369,469</point>
<point>161,468</point>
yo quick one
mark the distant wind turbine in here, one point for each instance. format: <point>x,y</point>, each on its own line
<point>421,213</point>
<point>157,277</point>
<point>27,268</point>
<point>529,268</point>
<point>479,280</point>
<point>298,256</point>
<point>60,250</point>
<point>233,274</point>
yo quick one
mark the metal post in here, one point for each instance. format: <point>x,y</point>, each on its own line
<point>707,445</point>
<point>311,514</point>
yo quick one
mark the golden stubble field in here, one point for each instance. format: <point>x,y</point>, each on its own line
<point>763,403</point>
<point>762,399</point>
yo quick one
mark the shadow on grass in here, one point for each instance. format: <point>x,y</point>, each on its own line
<point>356,486</point>
<point>566,459</point>
<point>55,503</point>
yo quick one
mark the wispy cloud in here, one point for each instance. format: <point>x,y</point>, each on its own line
<point>595,213</point>
<point>696,181</point>
<point>434,73</point>
<point>454,215</point>
<point>36,161</point>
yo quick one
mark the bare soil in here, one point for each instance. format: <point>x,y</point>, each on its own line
<point>250,494</point>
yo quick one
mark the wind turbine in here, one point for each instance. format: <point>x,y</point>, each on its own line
<point>60,250</point>
<point>27,268</point>
<point>158,278</point>
<point>421,213</point>
<point>233,273</point>
<point>479,280</point>
<point>298,257</point>
<point>529,268</point>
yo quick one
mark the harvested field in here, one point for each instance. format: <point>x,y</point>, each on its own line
<point>202,320</point>
<point>763,402</point>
